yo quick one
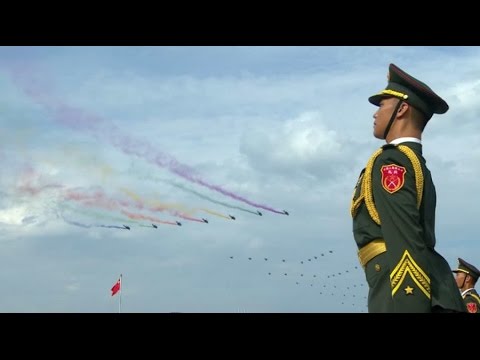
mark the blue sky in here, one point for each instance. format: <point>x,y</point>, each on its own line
<point>93,138</point>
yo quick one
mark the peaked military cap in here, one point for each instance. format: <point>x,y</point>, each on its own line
<point>414,92</point>
<point>467,268</point>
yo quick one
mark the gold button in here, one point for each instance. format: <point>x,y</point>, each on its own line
<point>377,267</point>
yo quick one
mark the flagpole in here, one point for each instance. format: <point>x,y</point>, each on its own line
<point>120,298</point>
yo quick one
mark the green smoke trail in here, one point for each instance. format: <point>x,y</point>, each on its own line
<point>96,214</point>
<point>205,197</point>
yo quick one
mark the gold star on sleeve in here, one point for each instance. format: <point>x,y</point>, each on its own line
<point>408,290</point>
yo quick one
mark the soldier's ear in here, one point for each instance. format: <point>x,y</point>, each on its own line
<point>402,108</point>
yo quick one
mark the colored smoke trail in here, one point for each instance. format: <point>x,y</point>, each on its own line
<point>181,172</point>
<point>152,205</point>
<point>146,217</point>
<point>98,198</point>
<point>156,206</point>
<point>144,150</point>
<point>79,119</point>
<point>95,214</point>
<point>76,223</point>
<point>205,197</point>
<point>215,213</point>
<point>32,191</point>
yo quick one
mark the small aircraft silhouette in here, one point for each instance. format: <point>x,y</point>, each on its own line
<point>232,217</point>
<point>205,220</point>
<point>155,226</point>
<point>285,212</point>
<point>126,227</point>
<point>178,223</point>
<point>259,213</point>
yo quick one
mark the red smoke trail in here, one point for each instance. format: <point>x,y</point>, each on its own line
<point>146,217</point>
<point>79,119</point>
<point>98,198</point>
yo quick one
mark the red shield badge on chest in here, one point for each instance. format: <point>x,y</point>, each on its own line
<point>393,177</point>
<point>472,307</point>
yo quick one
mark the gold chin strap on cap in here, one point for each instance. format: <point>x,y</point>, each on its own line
<point>392,118</point>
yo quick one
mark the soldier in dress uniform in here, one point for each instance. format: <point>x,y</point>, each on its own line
<point>393,206</point>
<point>466,277</point>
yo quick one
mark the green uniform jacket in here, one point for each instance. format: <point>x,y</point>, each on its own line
<point>410,276</point>
<point>472,301</point>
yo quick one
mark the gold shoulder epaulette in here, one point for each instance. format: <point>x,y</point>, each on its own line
<point>366,192</point>
<point>417,168</point>
<point>475,297</point>
<point>367,174</point>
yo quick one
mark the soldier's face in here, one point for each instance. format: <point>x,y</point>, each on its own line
<point>460,279</point>
<point>382,116</point>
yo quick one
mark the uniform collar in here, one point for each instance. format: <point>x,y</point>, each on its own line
<point>466,291</point>
<point>405,139</point>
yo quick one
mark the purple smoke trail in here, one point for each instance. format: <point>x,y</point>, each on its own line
<point>146,151</point>
<point>24,76</point>
<point>78,119</point>
<point>199,181</point>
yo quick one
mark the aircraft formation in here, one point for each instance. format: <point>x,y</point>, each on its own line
<point>152,225</point>
<point>108,133</point>
<point>346,284</point>
<point>203,219</point>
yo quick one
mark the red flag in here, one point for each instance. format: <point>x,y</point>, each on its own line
<point>117,286</point>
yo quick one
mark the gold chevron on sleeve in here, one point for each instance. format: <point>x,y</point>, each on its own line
<point>405,266</point>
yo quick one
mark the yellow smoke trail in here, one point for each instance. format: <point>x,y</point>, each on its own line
<point>156,203</point>
<point>215,213</point>
<point>180,207</point>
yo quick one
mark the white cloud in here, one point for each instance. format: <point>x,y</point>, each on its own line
<point>14,215</point>
<point>302,146</point>
<point>286,128</point>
